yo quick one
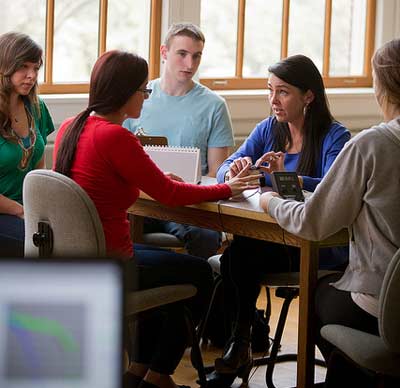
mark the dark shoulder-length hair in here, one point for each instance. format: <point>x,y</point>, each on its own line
<point>301,72</point>
<point>115,77</point>
<point>15,49</point>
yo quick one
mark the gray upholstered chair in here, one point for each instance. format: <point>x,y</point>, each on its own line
<point>62,221</point>
<point>379,354</point>
<point>60,218</point>
<point>286,285</point>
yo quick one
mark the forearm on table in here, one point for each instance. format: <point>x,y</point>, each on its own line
<point>215,158</point>
<point>9,206</point>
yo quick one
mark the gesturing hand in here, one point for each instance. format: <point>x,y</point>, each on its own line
<point>243,181</point>
<point>239,165</point>
<point>275,160</point>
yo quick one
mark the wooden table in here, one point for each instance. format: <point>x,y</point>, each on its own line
<point>243,216</point>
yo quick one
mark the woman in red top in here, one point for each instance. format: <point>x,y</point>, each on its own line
<point>108,162</point>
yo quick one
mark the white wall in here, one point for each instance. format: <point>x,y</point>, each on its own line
<point>355,108</point>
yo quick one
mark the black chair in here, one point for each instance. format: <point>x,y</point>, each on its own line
<point>286,286</point>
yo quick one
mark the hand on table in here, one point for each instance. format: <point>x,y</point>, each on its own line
<point>265,198</point>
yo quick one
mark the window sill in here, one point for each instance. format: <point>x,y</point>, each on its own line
<point>354,107</point>
<point>228,93</point>
<point>329,92</point>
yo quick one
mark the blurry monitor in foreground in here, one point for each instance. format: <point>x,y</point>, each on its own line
<point>60,324</point>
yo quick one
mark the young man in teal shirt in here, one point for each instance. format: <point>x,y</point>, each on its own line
<point>188,114</point>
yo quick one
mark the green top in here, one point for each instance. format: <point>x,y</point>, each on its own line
<point>12,171</point>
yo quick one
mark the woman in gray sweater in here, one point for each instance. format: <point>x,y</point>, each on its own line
<point>361,193</point>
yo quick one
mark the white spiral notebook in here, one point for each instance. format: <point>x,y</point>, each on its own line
<point>182,161</point>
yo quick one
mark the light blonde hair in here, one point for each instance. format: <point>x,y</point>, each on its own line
<point>15,49</point>
<point>386,66</point>
<point>184,29</point>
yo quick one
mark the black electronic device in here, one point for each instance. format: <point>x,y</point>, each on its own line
<point>256,171</point>
<point>287,185</point>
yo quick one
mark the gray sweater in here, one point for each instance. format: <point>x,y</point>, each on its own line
<point>361,192</point>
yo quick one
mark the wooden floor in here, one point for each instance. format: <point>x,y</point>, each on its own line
<point>285,373</point>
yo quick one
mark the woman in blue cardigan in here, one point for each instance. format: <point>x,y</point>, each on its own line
<point>300,136</point>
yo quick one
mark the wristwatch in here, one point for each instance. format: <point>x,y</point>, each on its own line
<point>226,176</point>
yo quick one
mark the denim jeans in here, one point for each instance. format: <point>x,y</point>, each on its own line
<point>12,235</point>
<point>198,242</point>
<point>161,337</point>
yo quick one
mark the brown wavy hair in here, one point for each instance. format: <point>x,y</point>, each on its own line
<point>115,77</point>
<point>15,49</point>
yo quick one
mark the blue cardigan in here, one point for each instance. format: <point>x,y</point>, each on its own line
<point>260,141</point>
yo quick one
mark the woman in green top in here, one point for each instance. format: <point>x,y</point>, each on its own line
<point>24,125</point>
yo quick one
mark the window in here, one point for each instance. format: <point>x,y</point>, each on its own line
<point>74,33</point>
<point>244,39</point>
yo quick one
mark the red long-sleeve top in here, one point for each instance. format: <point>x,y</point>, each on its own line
<point>111,166</point>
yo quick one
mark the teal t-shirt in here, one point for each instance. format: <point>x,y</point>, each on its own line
<point>11,173</point>
<point>200,119</point>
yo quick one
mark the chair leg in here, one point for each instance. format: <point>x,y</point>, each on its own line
<point>203,323</point>
<point>129,327</point>
<point>277,341</point>
<point>269,304</point>
<point>201,329</point>
<point>273,357</point>
<point>288,294</point>
<point>195,354</point>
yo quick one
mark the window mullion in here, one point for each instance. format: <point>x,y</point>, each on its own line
<point>240,38</point>
<point>285,28</point>
<point>369,37</point>
<point>155,39</point>
<point>48,71</point>
<point>102,42</point>
<point>327,38</point>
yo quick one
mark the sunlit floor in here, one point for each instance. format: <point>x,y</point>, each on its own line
<point>284,374</point>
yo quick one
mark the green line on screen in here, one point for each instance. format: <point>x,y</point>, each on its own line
<point>44,326</point>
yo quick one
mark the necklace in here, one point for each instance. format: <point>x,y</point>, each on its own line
<point>27,152</point>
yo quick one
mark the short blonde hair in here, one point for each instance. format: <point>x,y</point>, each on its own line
<point>184,29</point>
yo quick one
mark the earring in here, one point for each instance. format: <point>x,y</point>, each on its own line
<point>305,109</point>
